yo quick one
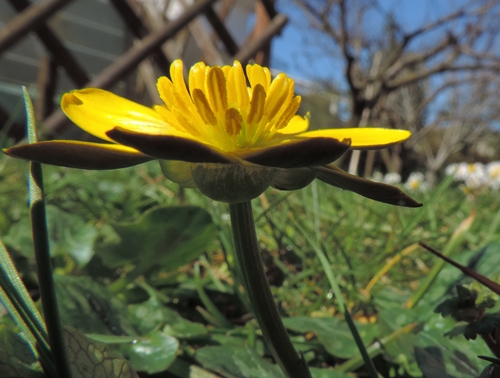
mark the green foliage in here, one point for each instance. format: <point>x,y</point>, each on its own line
<point>169,237</point>
<point>234,361</point>
<point>17,359</point>
<point>123,244</point>
<point>93,359</point>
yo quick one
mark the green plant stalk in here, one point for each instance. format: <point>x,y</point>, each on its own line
<point>261,299</point>
<point>454,242</point>
<point>340,300</point>
<point>17,296</point>
<point>374,349</point>
<point>42,255</point>
<point>211,308</point>
<point>423,210</point>
<point>122,282</point>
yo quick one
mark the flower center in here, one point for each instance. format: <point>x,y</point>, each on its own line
<point>220,109</point>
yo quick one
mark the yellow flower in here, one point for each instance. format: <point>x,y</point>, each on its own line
<point>230,140</point>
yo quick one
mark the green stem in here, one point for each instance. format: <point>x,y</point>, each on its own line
<point>259,292</point>
<point>42,255</point>
<point>44,271</point>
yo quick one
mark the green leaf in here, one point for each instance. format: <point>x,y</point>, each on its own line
<point>89,306</point>
<point>17,359</point>
<point>153,353</point>
<point>233,361</point>
<point>166,236</point>
<point>328,373</point>
<point>151,314</point>
<point>430,361</point>
<point>92,359</point>
<point>68,233</point>
<point>333,333</point>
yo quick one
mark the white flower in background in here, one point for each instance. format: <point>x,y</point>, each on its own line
<point>451,169</point>
<point>392,178</point>
<point>474,175</point>
<point>473,172</point>
<point>416,182</point>
<point>493,174</point>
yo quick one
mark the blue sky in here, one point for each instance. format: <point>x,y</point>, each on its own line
<point>291,50</point>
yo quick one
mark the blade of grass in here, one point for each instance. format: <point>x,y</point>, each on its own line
<point>216,317</point>
<point>18,296</point>
<point>455,240</point>
<point>485,281</point>
<point>374,349</point>
<point>340,300</point>
<point>42,254</point>
<point>417,215</point>
<point>393,261</point>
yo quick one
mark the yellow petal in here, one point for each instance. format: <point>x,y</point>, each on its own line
<point>166,91</point>
<point>197,77</point>
<point>363,138</point>
<point>237,87</point>
<point>258,75</point>
<point>177,76</point>
<point>97,111</point>
<point>76,154</point>
<point>296,125</point>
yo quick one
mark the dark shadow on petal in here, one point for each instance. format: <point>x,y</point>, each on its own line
<point>369,189</point>
<point>75,154</point>
<point>168,147</point>
<point>304,153</point>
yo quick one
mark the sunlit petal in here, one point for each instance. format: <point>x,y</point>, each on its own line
<point>97,111</point>
<point>363,138</point>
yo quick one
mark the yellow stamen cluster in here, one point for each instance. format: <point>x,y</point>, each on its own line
<point>222,110</point>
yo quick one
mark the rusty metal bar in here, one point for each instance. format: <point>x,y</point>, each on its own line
<point>221,30</point>
<point>46,88</point>
<point>274,27</point>
<point>128,61</point>
<point>269,5</point>
<point>59,52</point>
<point>140,30</point>
<point>27,21</point>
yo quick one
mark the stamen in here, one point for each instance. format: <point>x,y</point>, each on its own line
<point>233,121</point>
<point>203,107</point>
<point>257,105</point>
<point>217,92</point>
<point>289,113</point>
<point>277,94</point>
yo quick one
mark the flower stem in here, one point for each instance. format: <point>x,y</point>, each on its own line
<point>259,292</point>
